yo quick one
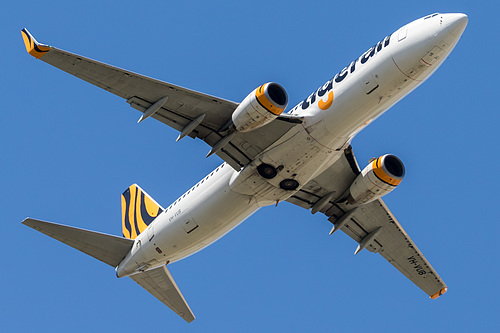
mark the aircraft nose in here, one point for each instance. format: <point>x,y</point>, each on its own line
<point>455,23</point>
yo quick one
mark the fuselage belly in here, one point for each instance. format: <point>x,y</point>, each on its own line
<point>334,114</point>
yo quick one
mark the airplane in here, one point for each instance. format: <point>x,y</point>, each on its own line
<point>303,156</point>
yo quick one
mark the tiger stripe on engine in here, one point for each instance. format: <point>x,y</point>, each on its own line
<point>264,101</point>
<point>382,175</point>
<point>138,211</point>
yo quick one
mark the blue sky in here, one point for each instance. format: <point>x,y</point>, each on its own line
<point>69,149</point>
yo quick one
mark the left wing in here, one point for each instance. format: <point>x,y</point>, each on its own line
<point>372,225</point>
<point>177,107</point>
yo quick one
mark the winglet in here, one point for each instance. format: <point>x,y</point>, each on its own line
<point>32,46</point>
<point>439,293</point>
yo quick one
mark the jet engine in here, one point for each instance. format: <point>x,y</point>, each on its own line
<point>379,178</point>
<point>260,107</point>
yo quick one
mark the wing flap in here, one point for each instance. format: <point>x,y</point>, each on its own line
<point>159,283</point>
<point>106,248</point>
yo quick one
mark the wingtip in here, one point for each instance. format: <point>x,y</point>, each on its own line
<point>26,221</point>
<point>32,223</point>
<point>33,47</point>
<point>189,318</point>
<point>439,293</point>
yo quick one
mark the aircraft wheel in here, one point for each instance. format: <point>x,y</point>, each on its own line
<point>289,184</point>
<point>267,171</point>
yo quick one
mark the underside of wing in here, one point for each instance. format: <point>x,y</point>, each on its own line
<point>204,116</point>
<point>371,225</point>
<point>392,242</point>
<point>160,284</point>
<point>335,180</point>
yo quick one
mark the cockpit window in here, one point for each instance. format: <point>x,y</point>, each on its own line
<point>428,17</point>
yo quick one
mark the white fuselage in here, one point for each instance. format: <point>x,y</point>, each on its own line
<point>361,92</point>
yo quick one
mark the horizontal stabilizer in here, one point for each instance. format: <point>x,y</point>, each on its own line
<point>160,284</point>
<point>106,248</point>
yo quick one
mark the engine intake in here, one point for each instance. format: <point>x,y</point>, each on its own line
<point>260,107</point>
<point>379,178</point>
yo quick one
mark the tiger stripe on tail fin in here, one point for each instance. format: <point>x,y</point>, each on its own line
<point>138,211</point>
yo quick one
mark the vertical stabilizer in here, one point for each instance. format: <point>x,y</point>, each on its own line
<point>138,211</point>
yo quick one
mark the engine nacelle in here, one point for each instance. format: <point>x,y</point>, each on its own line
<point>379,178</point>
<point>260,107</point>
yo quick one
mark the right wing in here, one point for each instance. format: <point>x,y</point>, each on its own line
<point>160,284</point>
<point>393,243</point>
<point>372,226</point>
<point>178,107</point>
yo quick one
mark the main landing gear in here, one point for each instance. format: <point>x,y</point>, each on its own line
<point>269,172</point>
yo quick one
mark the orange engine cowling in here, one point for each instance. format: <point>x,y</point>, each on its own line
<point>379,178</point>
<point>260,107</point>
